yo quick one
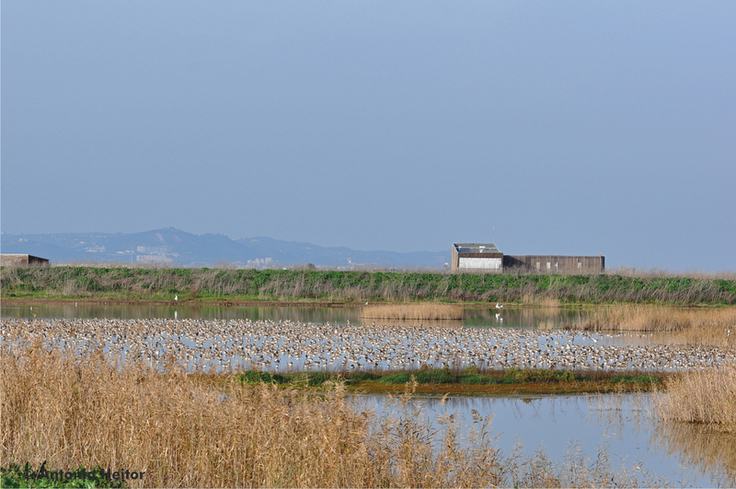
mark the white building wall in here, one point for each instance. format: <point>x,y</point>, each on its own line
<point>480,263</point>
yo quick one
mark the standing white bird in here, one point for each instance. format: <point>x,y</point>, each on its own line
<point>176,297</point>
<point>499,306</point>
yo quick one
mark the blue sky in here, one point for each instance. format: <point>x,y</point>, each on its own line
<point>545,127</point>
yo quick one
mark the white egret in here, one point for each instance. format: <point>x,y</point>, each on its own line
<point>499,306</point>
<point>176,297</point>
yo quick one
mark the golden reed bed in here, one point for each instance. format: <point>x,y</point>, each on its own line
<point>707,397</point>
<point>707,326</point>
<point>423,311</point>
<point>212,431</point>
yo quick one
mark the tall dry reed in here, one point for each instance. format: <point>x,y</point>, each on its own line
<point>707,397</point>
<point>211,431</point>
<point>682,325</point>
<point>424,311</point>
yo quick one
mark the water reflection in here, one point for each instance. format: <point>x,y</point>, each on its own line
<point>526,318</point>
<point>714,453</point>
<point>620,426</point>
<point>150,311</point>
<point>538,318</point>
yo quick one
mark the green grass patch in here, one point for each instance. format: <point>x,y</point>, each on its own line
<point>309,379</point>
<point>15,475</point>
<point>472,377</point>
<point>362,377</point>
<point>634,379</point>
<point>401,378</point>
<point>543,376</point>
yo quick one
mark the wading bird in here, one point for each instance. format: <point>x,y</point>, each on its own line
<point>498,306</point>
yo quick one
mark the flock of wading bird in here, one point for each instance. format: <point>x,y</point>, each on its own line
<point>238,344</point>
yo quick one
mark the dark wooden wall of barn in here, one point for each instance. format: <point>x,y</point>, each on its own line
<point>554,263</point>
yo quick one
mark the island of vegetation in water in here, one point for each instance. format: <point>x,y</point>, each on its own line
<point>469,381</point>
<point>241,285</point>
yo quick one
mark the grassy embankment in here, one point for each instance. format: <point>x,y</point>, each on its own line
<point>202,284</point>
<point>216,431</point>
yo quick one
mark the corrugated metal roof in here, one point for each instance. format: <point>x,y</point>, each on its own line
<point>475,248</point>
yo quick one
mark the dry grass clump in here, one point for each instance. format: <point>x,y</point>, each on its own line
<point>540,300</point>
<point>707,397</point>
<point>424,311</point>
<point>692,326</point>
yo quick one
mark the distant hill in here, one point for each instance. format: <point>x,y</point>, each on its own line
<point>172,246</point>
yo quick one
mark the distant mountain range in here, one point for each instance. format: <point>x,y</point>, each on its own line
<point>172,246</point>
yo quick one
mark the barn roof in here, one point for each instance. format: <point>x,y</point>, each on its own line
<point>475,248</point>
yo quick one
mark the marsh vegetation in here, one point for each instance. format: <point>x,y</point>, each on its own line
<point>422,311</point>
<point>72,407</point>
<point>203,284</point>
<point>693,326</point>
<point>216,431</point>
<point>705,398</point>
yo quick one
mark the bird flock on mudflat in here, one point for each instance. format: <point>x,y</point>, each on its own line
<point>238,344</point>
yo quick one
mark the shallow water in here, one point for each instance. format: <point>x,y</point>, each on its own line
<point>512,317</point>
<point>621,426</point>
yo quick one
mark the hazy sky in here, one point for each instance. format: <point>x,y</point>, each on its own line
<point>569,127</point>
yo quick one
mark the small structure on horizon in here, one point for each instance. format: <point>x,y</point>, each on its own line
<point>8,260</point>
<point>478,257</point>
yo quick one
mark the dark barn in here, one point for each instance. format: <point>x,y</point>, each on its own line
<point>8,260</point>
<point>483,258</point>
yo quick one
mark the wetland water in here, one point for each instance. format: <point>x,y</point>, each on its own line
<point>622,425</point>
<point>508,317</point>
<point>549,318</point>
